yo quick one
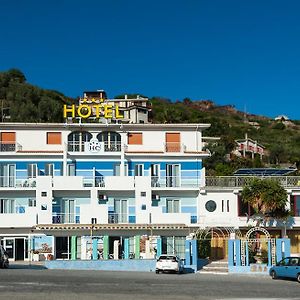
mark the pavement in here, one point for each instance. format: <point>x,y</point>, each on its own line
<point>32,281</point>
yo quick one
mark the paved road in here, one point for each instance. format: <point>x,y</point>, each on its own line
<point>24,282</point>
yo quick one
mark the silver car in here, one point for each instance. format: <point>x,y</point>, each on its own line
<point>169,263</point>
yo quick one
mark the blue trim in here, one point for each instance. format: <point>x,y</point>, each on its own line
<point>189,209</point>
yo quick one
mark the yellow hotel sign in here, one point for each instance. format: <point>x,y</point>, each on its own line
<point>96,109</point>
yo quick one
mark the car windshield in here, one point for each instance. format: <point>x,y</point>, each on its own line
<point>168,257</point>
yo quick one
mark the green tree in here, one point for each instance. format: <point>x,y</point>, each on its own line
<point>267,197</point>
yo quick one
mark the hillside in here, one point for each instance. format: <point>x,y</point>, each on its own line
<point>23,102</point>
<point>281,139</point>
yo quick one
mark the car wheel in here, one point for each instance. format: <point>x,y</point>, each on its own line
<point>274,275</point>
<point>298,277</point>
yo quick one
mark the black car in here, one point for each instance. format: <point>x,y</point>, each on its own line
<point>4,262</point>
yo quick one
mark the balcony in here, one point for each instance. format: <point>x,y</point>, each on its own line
<point>99,147</point>
<point>19,182</point>
<point>65,218</point>
<point>116,218</point>
<point>241,181</point>
<point>175,181</point>
<point>9,147</point>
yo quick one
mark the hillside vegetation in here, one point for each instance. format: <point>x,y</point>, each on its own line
<point>23,102</point>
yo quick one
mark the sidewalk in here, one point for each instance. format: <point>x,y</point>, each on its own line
<point>20,264</point>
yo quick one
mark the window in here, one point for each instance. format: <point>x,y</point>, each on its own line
<point>172,206</point>
<point>139,170</point>
<point>172,175</point>
<point>210,205</point>
<point>7,175</point>
<point>135,139</point>
<point>173,142</point>
<point>7,141</point>
<point>117,170</point>
<point>222,205</point>
<point>77,139</point>
<point>7,206</point>
<point>143,207</point>
<point>54,138</point>
<point>155,174</point>
<point>227,205</point>
<point>71,170</point>
<point>32,170</point>
<point>111,140</point>
<point>49,170</point>
<point>32,202</point>
<point>143,194</point>
<point>44,194</point>
<point>44,207</point>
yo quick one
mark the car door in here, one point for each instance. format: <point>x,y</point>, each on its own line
<point>293,267</point>
<point>281,267</point>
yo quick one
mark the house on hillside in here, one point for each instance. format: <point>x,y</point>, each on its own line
<point>247,147</point>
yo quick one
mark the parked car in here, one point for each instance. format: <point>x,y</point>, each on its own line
<point>287,267</point>
<point>170,263</point>
<point>4,262</point>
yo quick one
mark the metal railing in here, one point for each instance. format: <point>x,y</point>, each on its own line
<point>9,146</point>
<point>82,146</point>
<point>65,218</point>
<point>173,147</point>
<point>12,181</point>
<point>116,218</point>
<point>240,181</point>
<point>175,181</point>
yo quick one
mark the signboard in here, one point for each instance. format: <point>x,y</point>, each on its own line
<point>96,108</point>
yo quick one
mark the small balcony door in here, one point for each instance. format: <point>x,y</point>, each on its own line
<point>173,175</point>
<point>121,211</point>
<point>69,211</point>
<point>7,175</point>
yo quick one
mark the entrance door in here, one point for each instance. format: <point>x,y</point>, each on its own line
<point>62,247</point>
<point>172,175</point>
<point>121,211</point>
<point>19,249</point>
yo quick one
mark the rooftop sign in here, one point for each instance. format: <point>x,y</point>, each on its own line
<point>95,108</point>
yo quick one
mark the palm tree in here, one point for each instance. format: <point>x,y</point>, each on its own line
<point>268,199</point>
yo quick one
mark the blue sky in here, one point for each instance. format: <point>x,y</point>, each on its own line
<point>240,52</point>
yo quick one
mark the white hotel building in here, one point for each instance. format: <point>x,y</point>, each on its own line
<point>65,186</point>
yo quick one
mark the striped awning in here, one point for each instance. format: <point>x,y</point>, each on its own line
<point>58,227</point>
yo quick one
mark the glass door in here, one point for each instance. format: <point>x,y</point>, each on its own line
<point>173,175</point>
<point>69,211</point>
<point>121,211</point>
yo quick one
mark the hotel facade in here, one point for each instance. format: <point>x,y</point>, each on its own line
<point>133,190</point>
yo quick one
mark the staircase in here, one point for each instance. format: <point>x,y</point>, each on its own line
<point>215,267</point>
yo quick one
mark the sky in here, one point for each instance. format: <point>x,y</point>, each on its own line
<point>244,53</point>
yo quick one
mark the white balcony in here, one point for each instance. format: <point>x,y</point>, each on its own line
<point>9,220</point>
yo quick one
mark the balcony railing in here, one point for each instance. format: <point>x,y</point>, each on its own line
<point>175,181</point>
<point>12,181</point>
<point>65,218</point>
<point>240,181</point>
<point>115,218</point>
<point>9,146</point>
<point>173,147</point>
<point>84,146</point>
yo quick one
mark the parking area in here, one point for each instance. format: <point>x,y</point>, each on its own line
<point>23,281</point>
